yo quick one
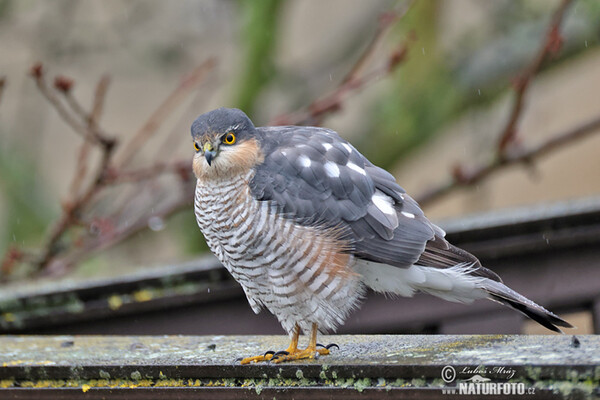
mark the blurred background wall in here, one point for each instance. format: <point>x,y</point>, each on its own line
<point>445,104</point>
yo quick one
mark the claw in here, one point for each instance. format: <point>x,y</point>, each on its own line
<point>271,352</point>
<point>285,353</point>
<point>330,345</point>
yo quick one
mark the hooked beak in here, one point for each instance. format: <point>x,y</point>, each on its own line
<point>209,152</point>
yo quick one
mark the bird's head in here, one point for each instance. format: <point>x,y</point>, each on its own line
<point>225,141</point>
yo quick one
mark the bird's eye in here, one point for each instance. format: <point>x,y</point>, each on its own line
<point>229,138</point>
<point>196,147</point>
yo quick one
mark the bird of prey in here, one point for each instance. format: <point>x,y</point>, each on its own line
<point>305,223</point>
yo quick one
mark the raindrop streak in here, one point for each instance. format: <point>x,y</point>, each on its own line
<point>586,43</point>
<point>479,91</point>
<point>423,49</point>
<point>546,238</point>
<point>156,223</point>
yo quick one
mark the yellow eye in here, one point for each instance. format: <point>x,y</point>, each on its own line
<point>196,147</point>
<point>229,138</point>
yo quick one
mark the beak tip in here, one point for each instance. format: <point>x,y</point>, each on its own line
<point>209,155</point>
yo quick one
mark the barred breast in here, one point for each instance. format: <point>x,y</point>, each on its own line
<point>299,273</point>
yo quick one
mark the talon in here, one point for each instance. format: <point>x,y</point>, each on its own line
<point>271,352</point>
<point>329,346</point>
<point>285,353</point>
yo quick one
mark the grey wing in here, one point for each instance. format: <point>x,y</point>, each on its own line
<point>317,178</point>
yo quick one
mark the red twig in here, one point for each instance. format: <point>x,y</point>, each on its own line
<point>94,135</point>
<point>106,173</point>
<point>2,85</point>
<point>467,177</point>
<point>151,172</point>
<point>463,176</point>
<point>91,120</point>
<point>550,47</point>
<point>355,79</point>
<point>187,85</point>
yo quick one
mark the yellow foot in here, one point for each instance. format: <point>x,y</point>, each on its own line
<point>265,357</point>
<point>292,352</point>
<point>307,353</point>
<point>287,355</point>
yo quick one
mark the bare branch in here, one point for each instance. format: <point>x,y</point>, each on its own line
<point>93,135</point>
<point>463,177</point>
<point>180,93</point>
<point>353,81</point>
<point>178,167</point>
<point>550,46</point>
<point>386,22</point>
<point>99,96</point>
<point>91,119</point>
<point>2,85</point>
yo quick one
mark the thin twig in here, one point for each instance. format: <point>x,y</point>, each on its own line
<point>93,135</point>
<point>463,177</point>
<point>2,85</point>
<point>180,93</point>
<point>91,132</point>
<point>68,262</point>
<point>150,172</point>
<point>99,96</point>
<point>550,46</point>
<point>92,122</point>
<point>353,81</point>
<point>386,22</point>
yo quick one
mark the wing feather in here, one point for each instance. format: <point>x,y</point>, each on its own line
<point>317,178</point>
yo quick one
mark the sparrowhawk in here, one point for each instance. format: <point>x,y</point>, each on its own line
<point>305,223</point>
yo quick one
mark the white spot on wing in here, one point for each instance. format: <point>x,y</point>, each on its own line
<point>332,170</point>
<point>356,168</point>
<point>408,215</point>
<point>347,147</point>
<point>383,202</point>
<point>304,161</point>
<point>327,146</point>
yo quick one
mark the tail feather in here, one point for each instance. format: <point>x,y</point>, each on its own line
<point>505,295</point>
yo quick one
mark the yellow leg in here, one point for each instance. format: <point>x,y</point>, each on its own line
<point>292,348</point>
<point>309,352</point>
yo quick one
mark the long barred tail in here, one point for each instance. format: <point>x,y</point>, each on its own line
<point>501,293</point>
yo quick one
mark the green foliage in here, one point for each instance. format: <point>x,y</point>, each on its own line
<point>27,215</point>
<point>421,97</point>
<point>191,237</point>
<point>259,41</point>
<point>5,6</point>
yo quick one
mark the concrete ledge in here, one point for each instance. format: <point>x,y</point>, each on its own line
<point>382,365</point>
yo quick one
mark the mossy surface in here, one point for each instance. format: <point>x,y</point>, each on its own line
<point>363,362</point>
